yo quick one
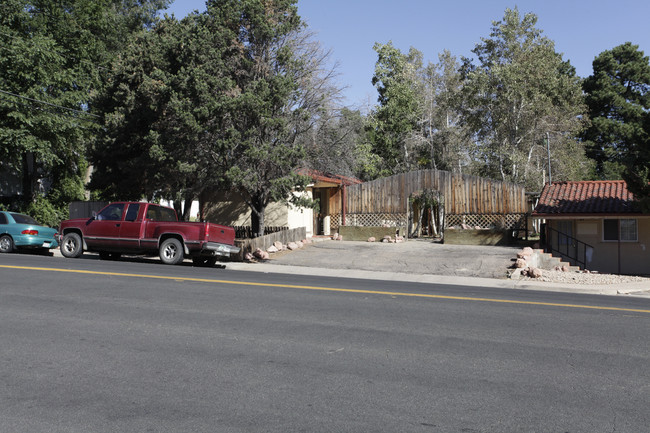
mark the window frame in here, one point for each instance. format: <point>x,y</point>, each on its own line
<point>619,231</point>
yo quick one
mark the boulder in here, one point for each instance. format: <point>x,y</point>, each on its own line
<point>292,246</point>
<point>520,263</point>
<point>248,257</point>
<point>371,239</point>
<point>261,254</point>
<point>565,268</point>
<point>272,249</point>
<point>339,238</point>
<point>278,245</point>
<point>534,273</point>
<point>528,251</point>
<point>300,244</point>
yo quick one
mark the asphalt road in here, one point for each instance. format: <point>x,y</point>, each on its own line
<point>89,345</point>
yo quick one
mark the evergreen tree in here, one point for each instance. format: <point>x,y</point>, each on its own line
<point>618,100</point>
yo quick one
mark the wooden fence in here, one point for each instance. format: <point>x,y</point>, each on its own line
<point>388,198</point>
<point>264,242</point>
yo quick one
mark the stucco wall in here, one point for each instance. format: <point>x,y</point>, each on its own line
<point>229,208</point>
<point>634,256</point>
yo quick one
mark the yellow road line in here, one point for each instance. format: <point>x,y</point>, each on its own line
<point>328,289</point>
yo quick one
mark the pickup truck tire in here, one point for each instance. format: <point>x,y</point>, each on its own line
<point>6,244</point>
<point>171,251</point>
<point>71,246</point>
<point>206,262</point>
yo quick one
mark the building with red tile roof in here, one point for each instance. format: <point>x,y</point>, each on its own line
<point>588,198</point>
<point>597,225</point>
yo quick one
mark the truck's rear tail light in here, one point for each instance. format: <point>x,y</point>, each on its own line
<point>207,230</point>
<point>30,232</point>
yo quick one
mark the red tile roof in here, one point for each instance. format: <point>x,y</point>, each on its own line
<point>586,198</point>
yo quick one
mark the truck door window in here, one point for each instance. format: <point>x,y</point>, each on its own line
<point>112,212</point>
<point>132,212</point>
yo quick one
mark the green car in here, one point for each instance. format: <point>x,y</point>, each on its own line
<point>19,231</point>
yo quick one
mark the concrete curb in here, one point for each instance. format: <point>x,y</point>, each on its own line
<point>631,289</point>
<point>628,289</point>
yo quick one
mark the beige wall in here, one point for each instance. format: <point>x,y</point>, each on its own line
<point>229,208</point>
<point>634,256</point>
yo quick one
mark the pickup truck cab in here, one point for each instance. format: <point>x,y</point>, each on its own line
<point>146,229</point>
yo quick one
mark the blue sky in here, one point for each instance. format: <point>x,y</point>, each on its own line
<point>349,28</point>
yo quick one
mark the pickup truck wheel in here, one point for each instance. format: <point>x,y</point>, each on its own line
<point>207,262</point>
<point>171,251</point>
<point>71,246</point>
<point>6,244</point>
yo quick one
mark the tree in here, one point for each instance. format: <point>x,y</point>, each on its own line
<point>154,106</point>
<point>618,100</point>
<point>394,121</point>
<point>337,145</point>
<point>52,59</point>
<point>520,90</point>
<point>219,99</point>
<point>447,142</point>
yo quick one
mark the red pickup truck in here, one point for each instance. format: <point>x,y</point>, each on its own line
<point>148,229</point>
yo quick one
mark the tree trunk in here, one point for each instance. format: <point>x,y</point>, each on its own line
<point>257,216</point>
<point>28,177</point>
<point>187,207</point>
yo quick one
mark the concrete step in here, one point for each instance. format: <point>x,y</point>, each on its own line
<point>545,260</point>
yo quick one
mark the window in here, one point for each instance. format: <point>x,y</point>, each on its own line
<point>3,219</point>
<point>628,230</point>
<point>23,219</point>
<point>132,212</point>
<point>167,214</point>
<point>158,213</point>
<point>620,229</point>
<point>112,212</point>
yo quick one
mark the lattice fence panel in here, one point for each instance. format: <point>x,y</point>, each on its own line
<point>335,222</point>
<point>503,221</point>
<point>373,220</point>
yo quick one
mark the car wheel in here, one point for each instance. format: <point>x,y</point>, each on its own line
<point>71,246</point>
<point>207,262</point>
<point>171,251</point>
<point>6,244</point>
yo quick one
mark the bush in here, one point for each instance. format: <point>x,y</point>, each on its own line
<point>45,212</point>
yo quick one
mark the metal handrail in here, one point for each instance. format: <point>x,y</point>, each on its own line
<point>567,246</point>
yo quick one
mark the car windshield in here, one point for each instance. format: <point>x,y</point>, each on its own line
<point>24,219</point>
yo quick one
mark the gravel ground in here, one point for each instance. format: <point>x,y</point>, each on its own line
<point>587,278</point>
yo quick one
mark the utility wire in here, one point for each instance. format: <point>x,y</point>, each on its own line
<point>56,113</point>
<point>50,104</point>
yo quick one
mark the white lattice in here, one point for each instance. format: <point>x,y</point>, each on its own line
<point>501,221</point>
<point>373,220</point>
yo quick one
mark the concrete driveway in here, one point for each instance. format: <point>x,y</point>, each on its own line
<point>411,257</point>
